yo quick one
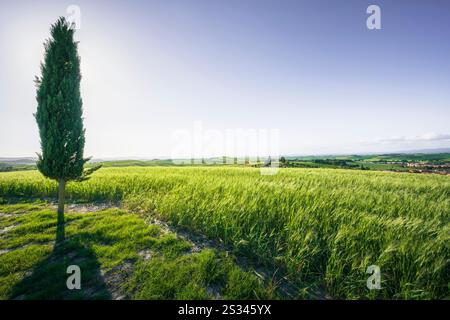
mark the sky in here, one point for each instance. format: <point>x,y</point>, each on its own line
<point>311,71</point>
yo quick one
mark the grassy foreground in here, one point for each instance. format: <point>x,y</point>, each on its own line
<point>319,227</point>
<point>119,254</point>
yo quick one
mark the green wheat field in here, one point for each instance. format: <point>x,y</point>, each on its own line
<point>228,232</point>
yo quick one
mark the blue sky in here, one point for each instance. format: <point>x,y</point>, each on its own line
<point>310,69</point>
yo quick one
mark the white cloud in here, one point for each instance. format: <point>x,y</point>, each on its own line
<point>433,137</point>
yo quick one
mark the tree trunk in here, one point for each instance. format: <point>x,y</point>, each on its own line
<point>60,232</point>
<point>61,198</point>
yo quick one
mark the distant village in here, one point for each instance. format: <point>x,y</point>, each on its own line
<point>424,167</point>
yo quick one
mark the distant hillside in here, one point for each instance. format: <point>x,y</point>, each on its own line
<point>363,161</point>
<point>427,151</point>
<point>24,160</point>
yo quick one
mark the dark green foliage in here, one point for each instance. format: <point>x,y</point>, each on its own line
<point>59,111</point>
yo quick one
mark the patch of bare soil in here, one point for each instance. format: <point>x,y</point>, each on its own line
<point>146,254</point>
<point>115,277</point>
<point>7,215</point>
<point>198,241</point>
<point>86,207</point>
<point>7,229</point>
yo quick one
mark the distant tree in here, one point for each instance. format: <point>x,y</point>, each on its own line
<point>283,160</point>
<point>59,111</point>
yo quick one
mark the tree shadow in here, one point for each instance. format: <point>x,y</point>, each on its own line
<point>48,278</point>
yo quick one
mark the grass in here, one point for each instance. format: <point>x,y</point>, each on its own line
<point>107,245</point>
<point>319,227</point>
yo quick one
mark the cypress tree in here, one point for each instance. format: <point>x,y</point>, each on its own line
<point>59,111</point>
